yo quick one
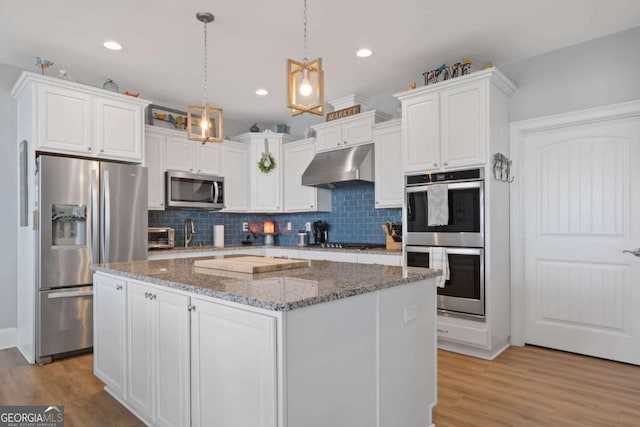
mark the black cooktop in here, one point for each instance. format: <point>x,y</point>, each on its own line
<point>343,245</point>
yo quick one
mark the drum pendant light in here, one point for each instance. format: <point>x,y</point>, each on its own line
<point>305,82</point>
<point>205,122</point>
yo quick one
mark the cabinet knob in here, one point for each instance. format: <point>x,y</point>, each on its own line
<point>89,148</point>
<point>146,294</point>
<point>191,307</point>
<point>191,169</point>
<point>446,163</point>
<point>199,170</point>
<point>161,204</point>
<point>118,287</point>
<point>336,144</point>
<point>435,165</point>
<point>311,205</point>
<point>102,150</point>
<point>345,143</point>
<point>377,202</point>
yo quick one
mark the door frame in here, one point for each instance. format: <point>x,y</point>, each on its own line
<point>518,132</point>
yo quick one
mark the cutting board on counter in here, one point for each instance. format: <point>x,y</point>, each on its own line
<point>250,264</point>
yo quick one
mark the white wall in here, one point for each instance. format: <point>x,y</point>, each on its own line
<point>591,74</point>
<point>8,198</point>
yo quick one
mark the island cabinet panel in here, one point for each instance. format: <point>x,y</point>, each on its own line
<point>330,358</point>
<point>406,320</point>
<point>158,354</point>
<point>109,331</point>
<point>233,368</point>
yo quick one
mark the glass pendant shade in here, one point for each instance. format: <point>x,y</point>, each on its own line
<point>305,88</point>
<point>205,124</point>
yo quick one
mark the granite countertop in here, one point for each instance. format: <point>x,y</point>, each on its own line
<point>179,249</point>
<point>320,282</point>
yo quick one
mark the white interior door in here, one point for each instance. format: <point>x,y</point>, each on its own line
<point>581,210</point>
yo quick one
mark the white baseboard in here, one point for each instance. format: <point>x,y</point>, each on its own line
<point>469,350</point>
<point>8,338</point>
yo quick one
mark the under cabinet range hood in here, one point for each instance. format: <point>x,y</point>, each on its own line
<point>347,167</point>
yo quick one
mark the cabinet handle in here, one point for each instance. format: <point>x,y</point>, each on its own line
<point>443,331</point>
<point>191,307</point>
<point>446,163</point>
<point>118,287</point>
<point>154,296</point>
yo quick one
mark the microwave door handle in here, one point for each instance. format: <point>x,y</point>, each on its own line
<point>216,192</point>
<point>94,211</point>
<point>106,224</point>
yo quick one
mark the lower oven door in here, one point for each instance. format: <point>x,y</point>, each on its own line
<point>463,293</point>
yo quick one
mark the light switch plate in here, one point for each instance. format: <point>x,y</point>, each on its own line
<point>410,313</point>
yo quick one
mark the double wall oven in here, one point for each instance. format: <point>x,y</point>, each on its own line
<point>462,237</point>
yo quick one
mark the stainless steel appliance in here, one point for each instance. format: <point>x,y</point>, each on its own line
<point>194,191</point>
<point>89,212</point>
<point>466,209</point>
<point>462,237</point>
<point>463,293</point>
<point>161,238</point>
<point>347,167</point>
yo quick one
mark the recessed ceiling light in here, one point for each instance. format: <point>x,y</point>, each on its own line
<point>112,45</point>
<point>364,52</point>
<point>262,92</point>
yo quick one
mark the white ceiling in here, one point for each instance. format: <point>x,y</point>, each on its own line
<point>250,41</point>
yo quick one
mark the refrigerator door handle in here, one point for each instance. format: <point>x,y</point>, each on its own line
<point>106,216</point>
<point>70,294</point>
<point>93,209</point>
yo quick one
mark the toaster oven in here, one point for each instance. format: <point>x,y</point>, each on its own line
<point>161,238</point>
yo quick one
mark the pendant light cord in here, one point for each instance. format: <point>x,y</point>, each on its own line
<point>204,97</point>
<point>305,32</point>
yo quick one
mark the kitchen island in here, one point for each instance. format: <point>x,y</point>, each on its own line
<point>331,343</point>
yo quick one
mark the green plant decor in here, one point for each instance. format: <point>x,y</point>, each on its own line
<point>267,164</point>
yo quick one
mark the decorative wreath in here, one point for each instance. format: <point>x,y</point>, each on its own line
<point>267,164</point>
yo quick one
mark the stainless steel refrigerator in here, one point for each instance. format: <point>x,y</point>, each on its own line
<point>90,212</point>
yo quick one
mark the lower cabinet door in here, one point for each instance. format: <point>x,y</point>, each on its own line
<point>233,370</point>
<point>140,331</point>
<point>109,332</point>
<point>158,356</point>
<point>172,401</point>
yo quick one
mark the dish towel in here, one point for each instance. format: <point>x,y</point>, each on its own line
<point>438,205</point>
<point>439,259</point>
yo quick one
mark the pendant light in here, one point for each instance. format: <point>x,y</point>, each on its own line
<point>205,122</point>
<point>305,82</point>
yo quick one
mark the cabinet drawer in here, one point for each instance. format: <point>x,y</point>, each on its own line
<point>478,336</point>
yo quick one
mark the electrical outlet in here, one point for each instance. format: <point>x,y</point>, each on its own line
<point>245,226</point>
<point>307,226</point>
<point>410,313</point>
<point>288,226</point>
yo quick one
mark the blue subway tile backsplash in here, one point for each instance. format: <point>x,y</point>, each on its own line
<point>353,219</point>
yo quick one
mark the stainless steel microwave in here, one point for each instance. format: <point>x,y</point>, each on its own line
<point>194,191</point>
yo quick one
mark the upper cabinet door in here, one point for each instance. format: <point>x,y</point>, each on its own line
<point>296,158</point>
<point>329,138</point>
<point>154,148</point>
<point>421,138</point>
<point>64,120</point>
<point>358,131</point>
<point>464,125</point>
<point>180,154</point>
<point>266,187</point>
<point>235,171</point>
<point>207,158</point>
<point>119,129</point>
<point>389,188</point>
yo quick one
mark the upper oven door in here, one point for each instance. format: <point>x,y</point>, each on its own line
<point>185,190</point>
<point>466,217</point>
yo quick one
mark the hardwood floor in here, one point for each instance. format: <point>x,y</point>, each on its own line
<point>533,386</point>
<point>524,386</point>
<point>68,382</point>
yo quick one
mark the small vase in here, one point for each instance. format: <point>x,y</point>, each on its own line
<point>110,85</point>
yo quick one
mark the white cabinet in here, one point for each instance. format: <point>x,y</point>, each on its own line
<point>389,186</point>
<point>235,170</point>
<point>158,354</point>
<point>192,156</point>
<point>72,118</point>
<point>109,331</point>
<point>265,188</point>
<point>154,148</point>
<point>233,368</point>
<point>448,125</point>
<point>297,197</point>
<point>354,130</point>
